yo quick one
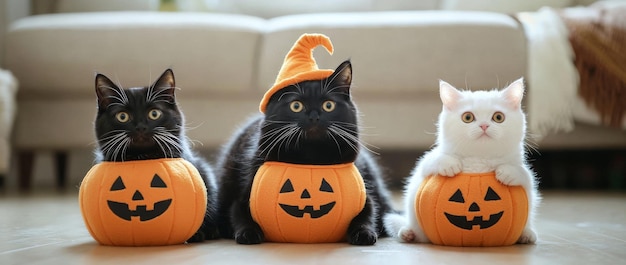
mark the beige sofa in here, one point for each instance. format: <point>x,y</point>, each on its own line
<point>223,63</point>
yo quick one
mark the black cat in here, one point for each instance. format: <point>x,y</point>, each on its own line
<point>311,122</point>
<point>145,123</point>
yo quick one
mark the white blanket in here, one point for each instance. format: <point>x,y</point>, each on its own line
<point>552,78</point>
<point>8,88</point>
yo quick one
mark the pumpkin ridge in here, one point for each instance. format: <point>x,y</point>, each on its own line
<point>103,232</point>
<point>341,207</point>
<point>172,187</point>
<point>192,171</point>
<point>509,225</point>
<point>438,207</point>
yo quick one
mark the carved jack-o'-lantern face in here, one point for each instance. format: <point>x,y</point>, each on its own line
<point>306,203</point>
<point>305,195</point>
<point>471,210</point>
<point>122,210</point>
<point>141,203</point>
<point>467,222</point>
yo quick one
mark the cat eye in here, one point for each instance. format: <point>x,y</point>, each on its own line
<point>155,114</point>
<point>296,106</point>
<point>328,106</point>
<point>468,117</point>
<point>498,117</point>
<point>122,117</point>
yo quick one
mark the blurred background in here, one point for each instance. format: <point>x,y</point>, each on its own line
<point>225,54</point>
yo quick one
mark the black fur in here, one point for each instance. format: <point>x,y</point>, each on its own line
<point>154,129</point>
<point>311,136</point>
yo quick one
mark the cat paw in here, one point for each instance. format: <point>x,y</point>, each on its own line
<point>363,237</point>
<point>448,166</point>
<point>528,237</point>
<point>203,234</point>
<point>406,235</point>
<point>249,236</point>
<point>197,237</point>
<point>509,175</point>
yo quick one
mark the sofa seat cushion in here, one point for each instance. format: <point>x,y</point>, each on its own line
<point>210,52</point>
<point>406,52</point>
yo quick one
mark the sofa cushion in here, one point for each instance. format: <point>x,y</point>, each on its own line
<point>59,54</point>
<point>406,51</point>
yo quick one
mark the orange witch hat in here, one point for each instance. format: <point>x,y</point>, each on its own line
<point>300,65</point>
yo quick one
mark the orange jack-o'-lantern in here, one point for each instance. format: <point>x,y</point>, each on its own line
<point>143,203</point>
<point>471,210</point>
<point>306,203</point>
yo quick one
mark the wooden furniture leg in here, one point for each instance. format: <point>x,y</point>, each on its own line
<point>25,169</point>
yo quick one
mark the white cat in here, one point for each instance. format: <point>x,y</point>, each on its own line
<point>481,131</point>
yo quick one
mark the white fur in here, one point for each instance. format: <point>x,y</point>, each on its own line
<point>8,89</point>
<point>466,147</point>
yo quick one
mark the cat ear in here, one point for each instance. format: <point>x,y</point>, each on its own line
<point>164,87</point>
<point>106,91</point>
<point>341,79</point>
<point>514,93</point>
<point>449,95</point>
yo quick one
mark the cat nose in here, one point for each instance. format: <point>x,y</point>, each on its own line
<point>484,126</point>
<point>141,129</point>
<point>314,116</point>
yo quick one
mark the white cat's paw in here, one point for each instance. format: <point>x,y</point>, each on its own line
<point>528,237</point>
<point>406,235</point>
<point>509,175</point>
<point>409,235</point>
<point>449,166</point>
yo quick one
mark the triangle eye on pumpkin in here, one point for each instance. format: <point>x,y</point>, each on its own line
<point>118,184</point>
<point>457,197</point>
<point>287,187</point>
<point>325,187</point>
<point>157,182</point>
<point>491,195</point>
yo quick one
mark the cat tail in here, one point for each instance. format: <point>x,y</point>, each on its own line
<point>394,222</point>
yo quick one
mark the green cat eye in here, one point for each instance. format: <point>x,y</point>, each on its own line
<point>328,106</point>
<point>498,117</point>
<point>122,117</point>
<point>296,106</point>
<point>155,114</point>
<point>468,117</point>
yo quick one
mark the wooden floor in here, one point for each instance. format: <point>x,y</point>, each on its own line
<point>574,228</point>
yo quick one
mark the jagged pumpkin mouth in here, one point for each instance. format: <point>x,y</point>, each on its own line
<point>462,222</point>
<point>295,211</point>
<point>122,210</point>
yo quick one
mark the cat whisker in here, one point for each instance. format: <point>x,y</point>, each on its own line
<point>112,143</point>
<point>332,90</point>
<point>334,139</point>
<point>156,95</point>
<point>121,97</point>
<point>276,137</point>
<point>330,81</point>
<point>107,136</point>
<point>269,136</point>
<point>170,141</point>
<point>163,145</point>
<point>350,138</point>
<point>531,146</point>
<point>287,93</point>
<point>297,85</point>
<point>292,135</point>
<point>344,136</point>
<point>121,147</point>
